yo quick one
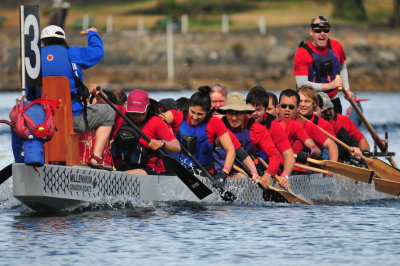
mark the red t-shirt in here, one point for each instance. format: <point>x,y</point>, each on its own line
<point>303,59</point>
<point>156,128</point>
<point>346,123</point>
<point>313,131</point>
<point>215,128</point>
<point>262,141</point>
<point>325,125</point>
<point>295,133</point>
<point>278,135</point>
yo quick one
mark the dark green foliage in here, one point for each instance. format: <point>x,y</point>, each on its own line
<point>349,10</point>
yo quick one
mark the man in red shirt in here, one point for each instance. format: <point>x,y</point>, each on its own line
<point>288,109</point>
<point>317,62</point>
<point>344,128</point>
<point>253,136</point>
<point>258,98</point>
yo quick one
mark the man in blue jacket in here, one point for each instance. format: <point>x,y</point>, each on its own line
<point>58,59</point>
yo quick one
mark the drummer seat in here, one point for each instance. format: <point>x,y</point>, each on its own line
<point>63,148</point>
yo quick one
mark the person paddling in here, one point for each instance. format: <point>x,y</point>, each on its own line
<point>132,153</point>
<point>197,129</point>
<point>259,99</point>
<point>288,109</point>
<point>344,128</point>
<point>253,136</point>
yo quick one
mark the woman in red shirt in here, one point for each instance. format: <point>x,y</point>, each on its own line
<point>132,153</point>
<point>199,130</point>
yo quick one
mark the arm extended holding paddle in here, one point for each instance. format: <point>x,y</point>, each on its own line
<point>271,193</point>
<point>379,142</point>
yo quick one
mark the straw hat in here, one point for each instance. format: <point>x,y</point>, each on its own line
<point>236,102</point>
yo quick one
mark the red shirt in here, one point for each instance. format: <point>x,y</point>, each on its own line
<point>346,123</point>
<point>303,59</point>
<point>215,128</point>
<point>325,125</point>
<point>156,128</point>
<point>313,131</point>
<point>295,132</point>
<point>278,135</point>
<point>262,141</point>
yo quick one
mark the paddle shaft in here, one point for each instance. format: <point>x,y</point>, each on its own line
<point>225,194</point>
<point>322,171</point>
<point>5,173</point>
<point>373,133</point>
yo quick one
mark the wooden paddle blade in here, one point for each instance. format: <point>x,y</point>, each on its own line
<point>353,172</point>
<point>189,179</point>
<point>5,173</point>
<point>289,196</point>
<point>383,170</point>
<point>387,186</point>
<point>296,199</point>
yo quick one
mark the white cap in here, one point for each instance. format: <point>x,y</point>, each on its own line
<point>52,31</point>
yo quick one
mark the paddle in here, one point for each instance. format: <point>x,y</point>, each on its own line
<point>379,167</point>
<point>225,194</point>
<point>189,179</point>
<point>271,193</point>
<point>370,129</point>
<point>289,193</point>
<point>319,170</point>
<point>5,173</point>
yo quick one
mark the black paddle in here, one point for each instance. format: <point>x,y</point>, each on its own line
<point>5,173</point>
<point>268,194</point>
<point>189,179</point>
<point>226,195</point>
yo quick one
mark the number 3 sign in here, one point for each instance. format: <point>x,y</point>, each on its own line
<point>30,50</point>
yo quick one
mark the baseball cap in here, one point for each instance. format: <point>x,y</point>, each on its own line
<point>327,103</point>
<point>52,31</point>
<point>137,102</point>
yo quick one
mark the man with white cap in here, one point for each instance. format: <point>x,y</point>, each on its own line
<point>58,59</point>
<point>343,126</point>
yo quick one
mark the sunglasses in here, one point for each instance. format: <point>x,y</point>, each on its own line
<point>325,30</point>
<point>291,107</point>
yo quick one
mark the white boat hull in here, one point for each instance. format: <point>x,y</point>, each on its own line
<point>54,188</point>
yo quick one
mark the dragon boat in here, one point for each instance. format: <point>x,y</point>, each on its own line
<point>64,188</point>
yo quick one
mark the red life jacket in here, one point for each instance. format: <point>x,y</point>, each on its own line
<point>22,124</point>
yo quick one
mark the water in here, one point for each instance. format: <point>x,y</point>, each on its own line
<point>363,233</point>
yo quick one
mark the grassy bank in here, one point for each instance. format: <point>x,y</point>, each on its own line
<point>244,15</point>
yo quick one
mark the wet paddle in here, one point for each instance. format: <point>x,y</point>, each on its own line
<point>5,173</point>
<point>270,193</point>
<point>289,195</point>
<point>189,179</point>
<point>380,168</point>
<point>225,194</point>
<point>370,129</point>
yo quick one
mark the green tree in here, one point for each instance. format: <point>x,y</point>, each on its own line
<point>349,9</point>
<point>395,18</point>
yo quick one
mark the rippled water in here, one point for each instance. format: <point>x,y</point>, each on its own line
<point>365,233</point>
